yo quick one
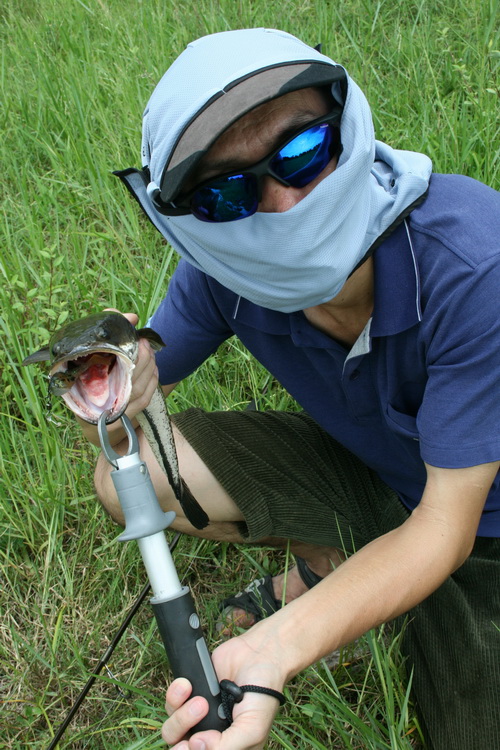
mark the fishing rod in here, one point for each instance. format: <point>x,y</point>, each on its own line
<point>104,659</point>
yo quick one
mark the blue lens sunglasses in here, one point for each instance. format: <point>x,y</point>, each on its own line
<point>237,195</point>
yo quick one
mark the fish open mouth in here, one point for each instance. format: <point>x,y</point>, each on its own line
<point>93,383</point>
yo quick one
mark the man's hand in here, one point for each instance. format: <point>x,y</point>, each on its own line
<point>144,379</point>
<point>239,661</point>
<point>144,374</point>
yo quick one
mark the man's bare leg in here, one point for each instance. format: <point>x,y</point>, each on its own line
<point>222,512</point>
<point>224,515</point>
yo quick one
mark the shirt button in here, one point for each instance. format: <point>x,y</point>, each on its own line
<point>354,375</point>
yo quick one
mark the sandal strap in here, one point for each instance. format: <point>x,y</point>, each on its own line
<point>309,577</point>
<point>257,599</point>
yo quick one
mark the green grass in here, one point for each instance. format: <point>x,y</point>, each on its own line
<point>74,78</point>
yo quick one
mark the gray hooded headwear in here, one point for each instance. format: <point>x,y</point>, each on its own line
<point>283,261</point>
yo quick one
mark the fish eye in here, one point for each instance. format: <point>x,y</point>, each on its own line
<point>102,333</point>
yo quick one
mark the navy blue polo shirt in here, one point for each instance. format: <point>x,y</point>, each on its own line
<point>421,382</point>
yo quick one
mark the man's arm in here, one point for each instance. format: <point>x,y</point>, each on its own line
<point>385,578</point>
<point>400,569</point>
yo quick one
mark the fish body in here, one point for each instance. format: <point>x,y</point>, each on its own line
<point>91,361</point>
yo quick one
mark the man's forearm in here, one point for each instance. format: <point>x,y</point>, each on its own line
<point>390,575</point>
<point>384,579</point>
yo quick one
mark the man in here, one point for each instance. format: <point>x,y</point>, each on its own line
<point>368,288</point>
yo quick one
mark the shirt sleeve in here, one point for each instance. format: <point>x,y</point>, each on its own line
<point>190,324</point>
<point>459,419</point>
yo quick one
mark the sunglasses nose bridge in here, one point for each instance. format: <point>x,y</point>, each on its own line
<point>262,170</point>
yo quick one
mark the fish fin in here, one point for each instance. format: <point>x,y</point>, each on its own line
<point>154,338</point>
<point>42,355</point>
<point>191,507</point>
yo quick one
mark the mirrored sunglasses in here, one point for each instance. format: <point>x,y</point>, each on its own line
<point>297,163</point>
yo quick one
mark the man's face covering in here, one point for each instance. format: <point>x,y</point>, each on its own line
<point>285,260</point>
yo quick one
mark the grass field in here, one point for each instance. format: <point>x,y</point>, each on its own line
<point>75,76</point>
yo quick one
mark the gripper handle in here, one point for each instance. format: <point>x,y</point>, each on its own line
<point>172,603</point>
<point>188,655</point>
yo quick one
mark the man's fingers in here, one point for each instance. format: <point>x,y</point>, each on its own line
<point>183,713</point>
<point>252,721</point>
<point>177,694</point>
<point>144,377</point>
<point>132,317</point>
<point>145,359</point>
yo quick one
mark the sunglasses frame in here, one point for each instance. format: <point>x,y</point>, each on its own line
<point>182,206</point>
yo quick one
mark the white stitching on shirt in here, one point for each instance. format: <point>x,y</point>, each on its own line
<point>417,275</point>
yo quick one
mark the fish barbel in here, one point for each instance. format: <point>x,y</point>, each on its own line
<point>92,360</point>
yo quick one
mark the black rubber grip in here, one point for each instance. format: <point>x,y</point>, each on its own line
<point>188,655</point>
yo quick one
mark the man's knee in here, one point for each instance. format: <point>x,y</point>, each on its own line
<point>106,491</point>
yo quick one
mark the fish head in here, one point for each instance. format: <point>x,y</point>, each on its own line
<point>92,381</point>
<point>92,360</point>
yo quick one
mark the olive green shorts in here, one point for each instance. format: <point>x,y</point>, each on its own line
<point>292,480</point>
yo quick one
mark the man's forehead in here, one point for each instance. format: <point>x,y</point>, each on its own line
<point>282,109</point>
<point>265,126</point>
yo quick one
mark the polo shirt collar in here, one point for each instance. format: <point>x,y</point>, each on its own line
<point>397,285</point>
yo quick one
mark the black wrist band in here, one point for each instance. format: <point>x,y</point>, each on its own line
<point>232,693</point>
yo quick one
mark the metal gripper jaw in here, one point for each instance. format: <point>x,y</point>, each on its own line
<point>136,494</point>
